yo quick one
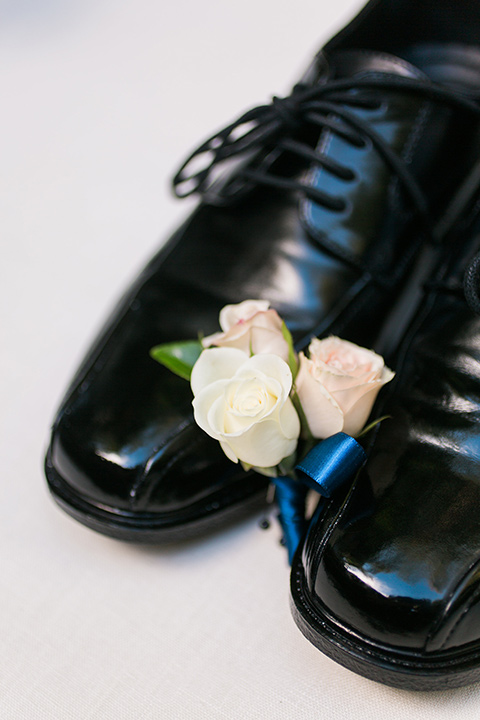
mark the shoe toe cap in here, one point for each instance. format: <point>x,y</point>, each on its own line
<point>175,474</point>
<point>394,583</point>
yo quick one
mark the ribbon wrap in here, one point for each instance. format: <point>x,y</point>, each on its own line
<point>290,496</point>
<point>331,463</point>
<point>328,466</point>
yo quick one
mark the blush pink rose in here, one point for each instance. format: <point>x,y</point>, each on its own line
<point>338,384</point>
<point>252,327</point>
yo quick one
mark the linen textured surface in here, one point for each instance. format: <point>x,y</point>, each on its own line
<point>101,101</point>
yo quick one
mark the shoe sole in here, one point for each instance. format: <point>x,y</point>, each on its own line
<point>384,664</point>
<point>150,528</point>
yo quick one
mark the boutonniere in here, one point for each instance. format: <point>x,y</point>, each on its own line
<point>268,406</point>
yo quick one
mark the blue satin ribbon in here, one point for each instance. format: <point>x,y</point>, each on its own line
<point>331,463</point>
<point>327,467</point>
<point>290,496</point>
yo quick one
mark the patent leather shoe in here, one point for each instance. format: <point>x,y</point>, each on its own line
<point>388,580</point>
<point>335,190</point>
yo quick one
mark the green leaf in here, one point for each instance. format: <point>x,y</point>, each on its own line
<point>179,357</point>
<point>292,358</point>
<point>371,425</point>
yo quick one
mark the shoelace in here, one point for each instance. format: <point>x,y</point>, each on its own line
<point>277,126</point>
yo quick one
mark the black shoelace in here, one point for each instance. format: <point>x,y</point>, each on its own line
<point>277,126</point>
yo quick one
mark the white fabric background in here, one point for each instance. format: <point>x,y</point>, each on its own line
<point>100,101</point>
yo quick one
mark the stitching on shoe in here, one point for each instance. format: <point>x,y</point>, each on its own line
<point>143,474</point>
<point>418,127</point>
<point>410,145</point>
<point>399,62</point>
<point>358,651</point>
<point>316,556</point>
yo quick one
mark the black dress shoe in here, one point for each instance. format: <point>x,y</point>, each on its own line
<point>321,217</point>
<point>388,582</point>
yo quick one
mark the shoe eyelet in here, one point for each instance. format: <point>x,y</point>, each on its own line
<point>377,107</point>
<point>365,144</point>
<point>344,209</point>
<point>347,207</point>
<point>353,177</point>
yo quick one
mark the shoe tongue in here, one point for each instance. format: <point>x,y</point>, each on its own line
<point>347,63</point>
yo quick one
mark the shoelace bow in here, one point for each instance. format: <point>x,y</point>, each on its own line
<point>276,126</point>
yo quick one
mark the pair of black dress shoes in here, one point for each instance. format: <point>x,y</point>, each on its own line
<point>333,195</point>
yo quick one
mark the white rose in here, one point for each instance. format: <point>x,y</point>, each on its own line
<point>250,326</point>
<point>337,385</point>
<point>243,402</point>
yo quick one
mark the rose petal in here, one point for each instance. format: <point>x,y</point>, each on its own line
<point>263,445</point>
<point>268,341</point>
<point>216,417</point>
<point>261,333</point>
<point>254,397</point>
<point>335,382</point>
<point>348,398</point>
<point>234,425</point>
<point>342,357</point>
<point>289,420</point>
<point>228,451</point>
<point>215,364</point>
<point>210,340</point>
<point>238,332</point>
<point>239,336</point>
<point>268,319</point>
<point>232,314</point>
<point>271,366</point>
<point>358,413</point>
<point>323,413</point>
<point>202,404</point>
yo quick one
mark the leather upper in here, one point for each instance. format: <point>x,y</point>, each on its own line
<point>398,560</point>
